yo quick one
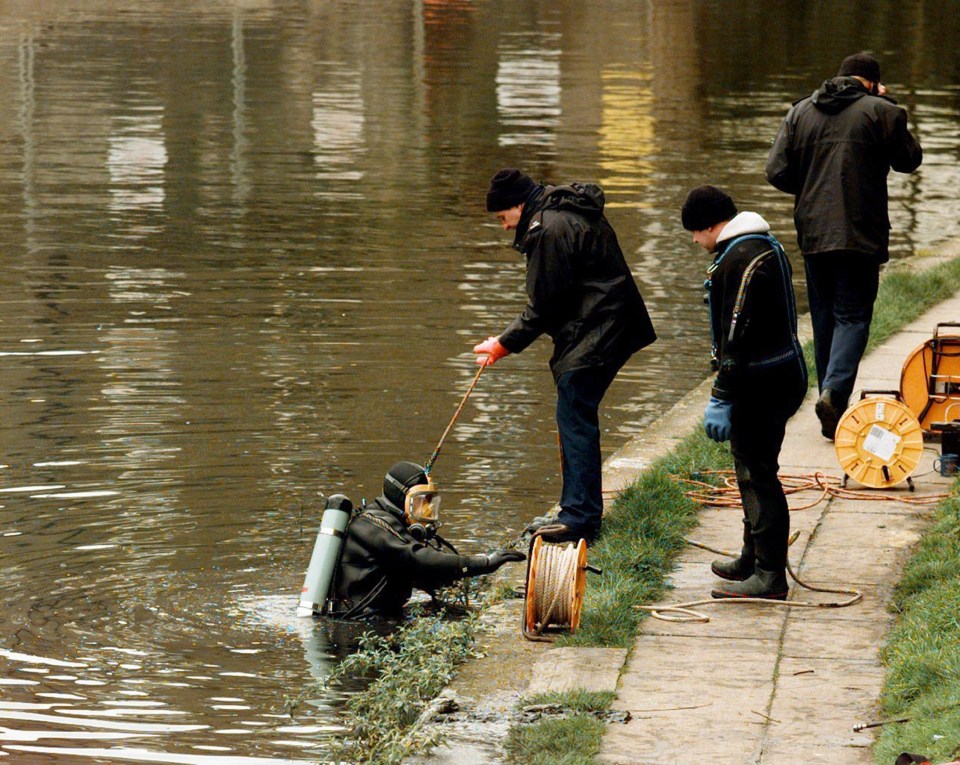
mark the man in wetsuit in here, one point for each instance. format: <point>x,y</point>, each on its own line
<point>761,379</point>
<point>391,547</point>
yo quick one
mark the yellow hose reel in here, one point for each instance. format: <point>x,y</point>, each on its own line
<point>556,580</point>
<point>879,441</point>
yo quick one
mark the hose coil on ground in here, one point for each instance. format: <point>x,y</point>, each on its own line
<point>556,580</point>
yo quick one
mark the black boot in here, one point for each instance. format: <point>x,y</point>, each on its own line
<point>738,569</point>
<point>770,585</point>
<point>830,408</point>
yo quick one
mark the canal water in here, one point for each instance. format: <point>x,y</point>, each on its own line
<point>245,260</point>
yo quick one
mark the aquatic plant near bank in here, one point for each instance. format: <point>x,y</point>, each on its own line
<point>410,667</point>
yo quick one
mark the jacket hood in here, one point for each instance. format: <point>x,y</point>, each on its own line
<point>743,223</point>
<point>835,95</point>
<point>586,199</point>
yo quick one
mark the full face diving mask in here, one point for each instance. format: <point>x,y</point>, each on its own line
<point>422,507</point>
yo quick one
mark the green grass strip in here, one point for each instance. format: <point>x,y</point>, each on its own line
<point>922,654</point>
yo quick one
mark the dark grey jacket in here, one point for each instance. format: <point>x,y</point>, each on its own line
<point>834,152</point>
<point>580,290</point>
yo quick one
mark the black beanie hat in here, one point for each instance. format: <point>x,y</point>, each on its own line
<point>399,479</point>
<point>860,65</point>
<point>705,206</point>
<point>508,188</point>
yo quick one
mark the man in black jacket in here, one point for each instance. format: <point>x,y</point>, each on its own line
<point>391,547</point>
<point>581,293</point>
<point>761,379</point>
<point>834,152</point>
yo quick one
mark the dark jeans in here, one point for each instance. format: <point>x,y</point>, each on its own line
<point>579,394</point>
<point>758,427</point>
<point>841,287</point>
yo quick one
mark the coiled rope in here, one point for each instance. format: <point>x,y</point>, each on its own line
<point>556,579</point>
<point>728,495</point>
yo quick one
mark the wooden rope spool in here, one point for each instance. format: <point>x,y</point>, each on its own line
<point>556,580</point>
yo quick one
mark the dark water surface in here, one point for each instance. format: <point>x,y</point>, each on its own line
<point>245,258</point>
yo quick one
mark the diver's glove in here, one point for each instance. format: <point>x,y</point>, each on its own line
<point>487,564</point>
<point>490,351</point>
<point>716,420</point>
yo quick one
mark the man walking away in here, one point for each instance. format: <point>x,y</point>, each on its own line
<point>833,153</point>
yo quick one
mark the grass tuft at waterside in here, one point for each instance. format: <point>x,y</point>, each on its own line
<point>410,667</point>
<point>571,737</point>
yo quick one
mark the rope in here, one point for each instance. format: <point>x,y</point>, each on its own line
<point>683,612</point>
<point>456,414</point>
<point>554,592</point>
<point>728,495</point>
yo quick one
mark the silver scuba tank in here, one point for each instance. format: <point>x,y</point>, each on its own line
<point>326,553</point>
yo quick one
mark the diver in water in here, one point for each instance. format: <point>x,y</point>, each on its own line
<point>392,546</point>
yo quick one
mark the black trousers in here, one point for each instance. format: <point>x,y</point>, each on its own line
<point>841,287</point>
<point>579,393</point>
<point>757,429</point>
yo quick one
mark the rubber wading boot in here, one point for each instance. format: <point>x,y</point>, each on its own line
<point>738,569</point>
<point>829,408</point>
<point>770,585</point>
<point>734,569</point>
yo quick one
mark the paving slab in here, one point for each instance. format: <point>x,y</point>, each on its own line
<point>568,669</point>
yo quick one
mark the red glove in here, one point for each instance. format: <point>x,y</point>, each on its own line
<point>489,351</point>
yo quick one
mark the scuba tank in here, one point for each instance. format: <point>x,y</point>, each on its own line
<point>326,553</point>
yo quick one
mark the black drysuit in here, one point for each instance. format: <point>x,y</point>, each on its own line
<point>381,563</point>
<point>761,371</point>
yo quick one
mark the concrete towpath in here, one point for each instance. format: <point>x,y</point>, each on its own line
<point>773,685</point>
<point>765,685</point>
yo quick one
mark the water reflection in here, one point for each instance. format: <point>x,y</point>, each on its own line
<point>246,258</point>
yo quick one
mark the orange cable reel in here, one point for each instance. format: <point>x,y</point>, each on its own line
<point>930,378</point>
<point>879,440</point>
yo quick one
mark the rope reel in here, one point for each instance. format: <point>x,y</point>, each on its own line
<point>879,441</point>
<point>556,580</point>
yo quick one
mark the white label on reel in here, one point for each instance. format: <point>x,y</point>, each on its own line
<point>881,443</point>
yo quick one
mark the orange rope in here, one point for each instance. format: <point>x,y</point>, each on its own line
<point>727,493</point>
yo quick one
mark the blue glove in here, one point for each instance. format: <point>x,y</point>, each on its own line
<point>716,420</point>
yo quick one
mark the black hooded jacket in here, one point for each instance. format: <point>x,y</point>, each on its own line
<point>580,290</point>
<point>834,152</point>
